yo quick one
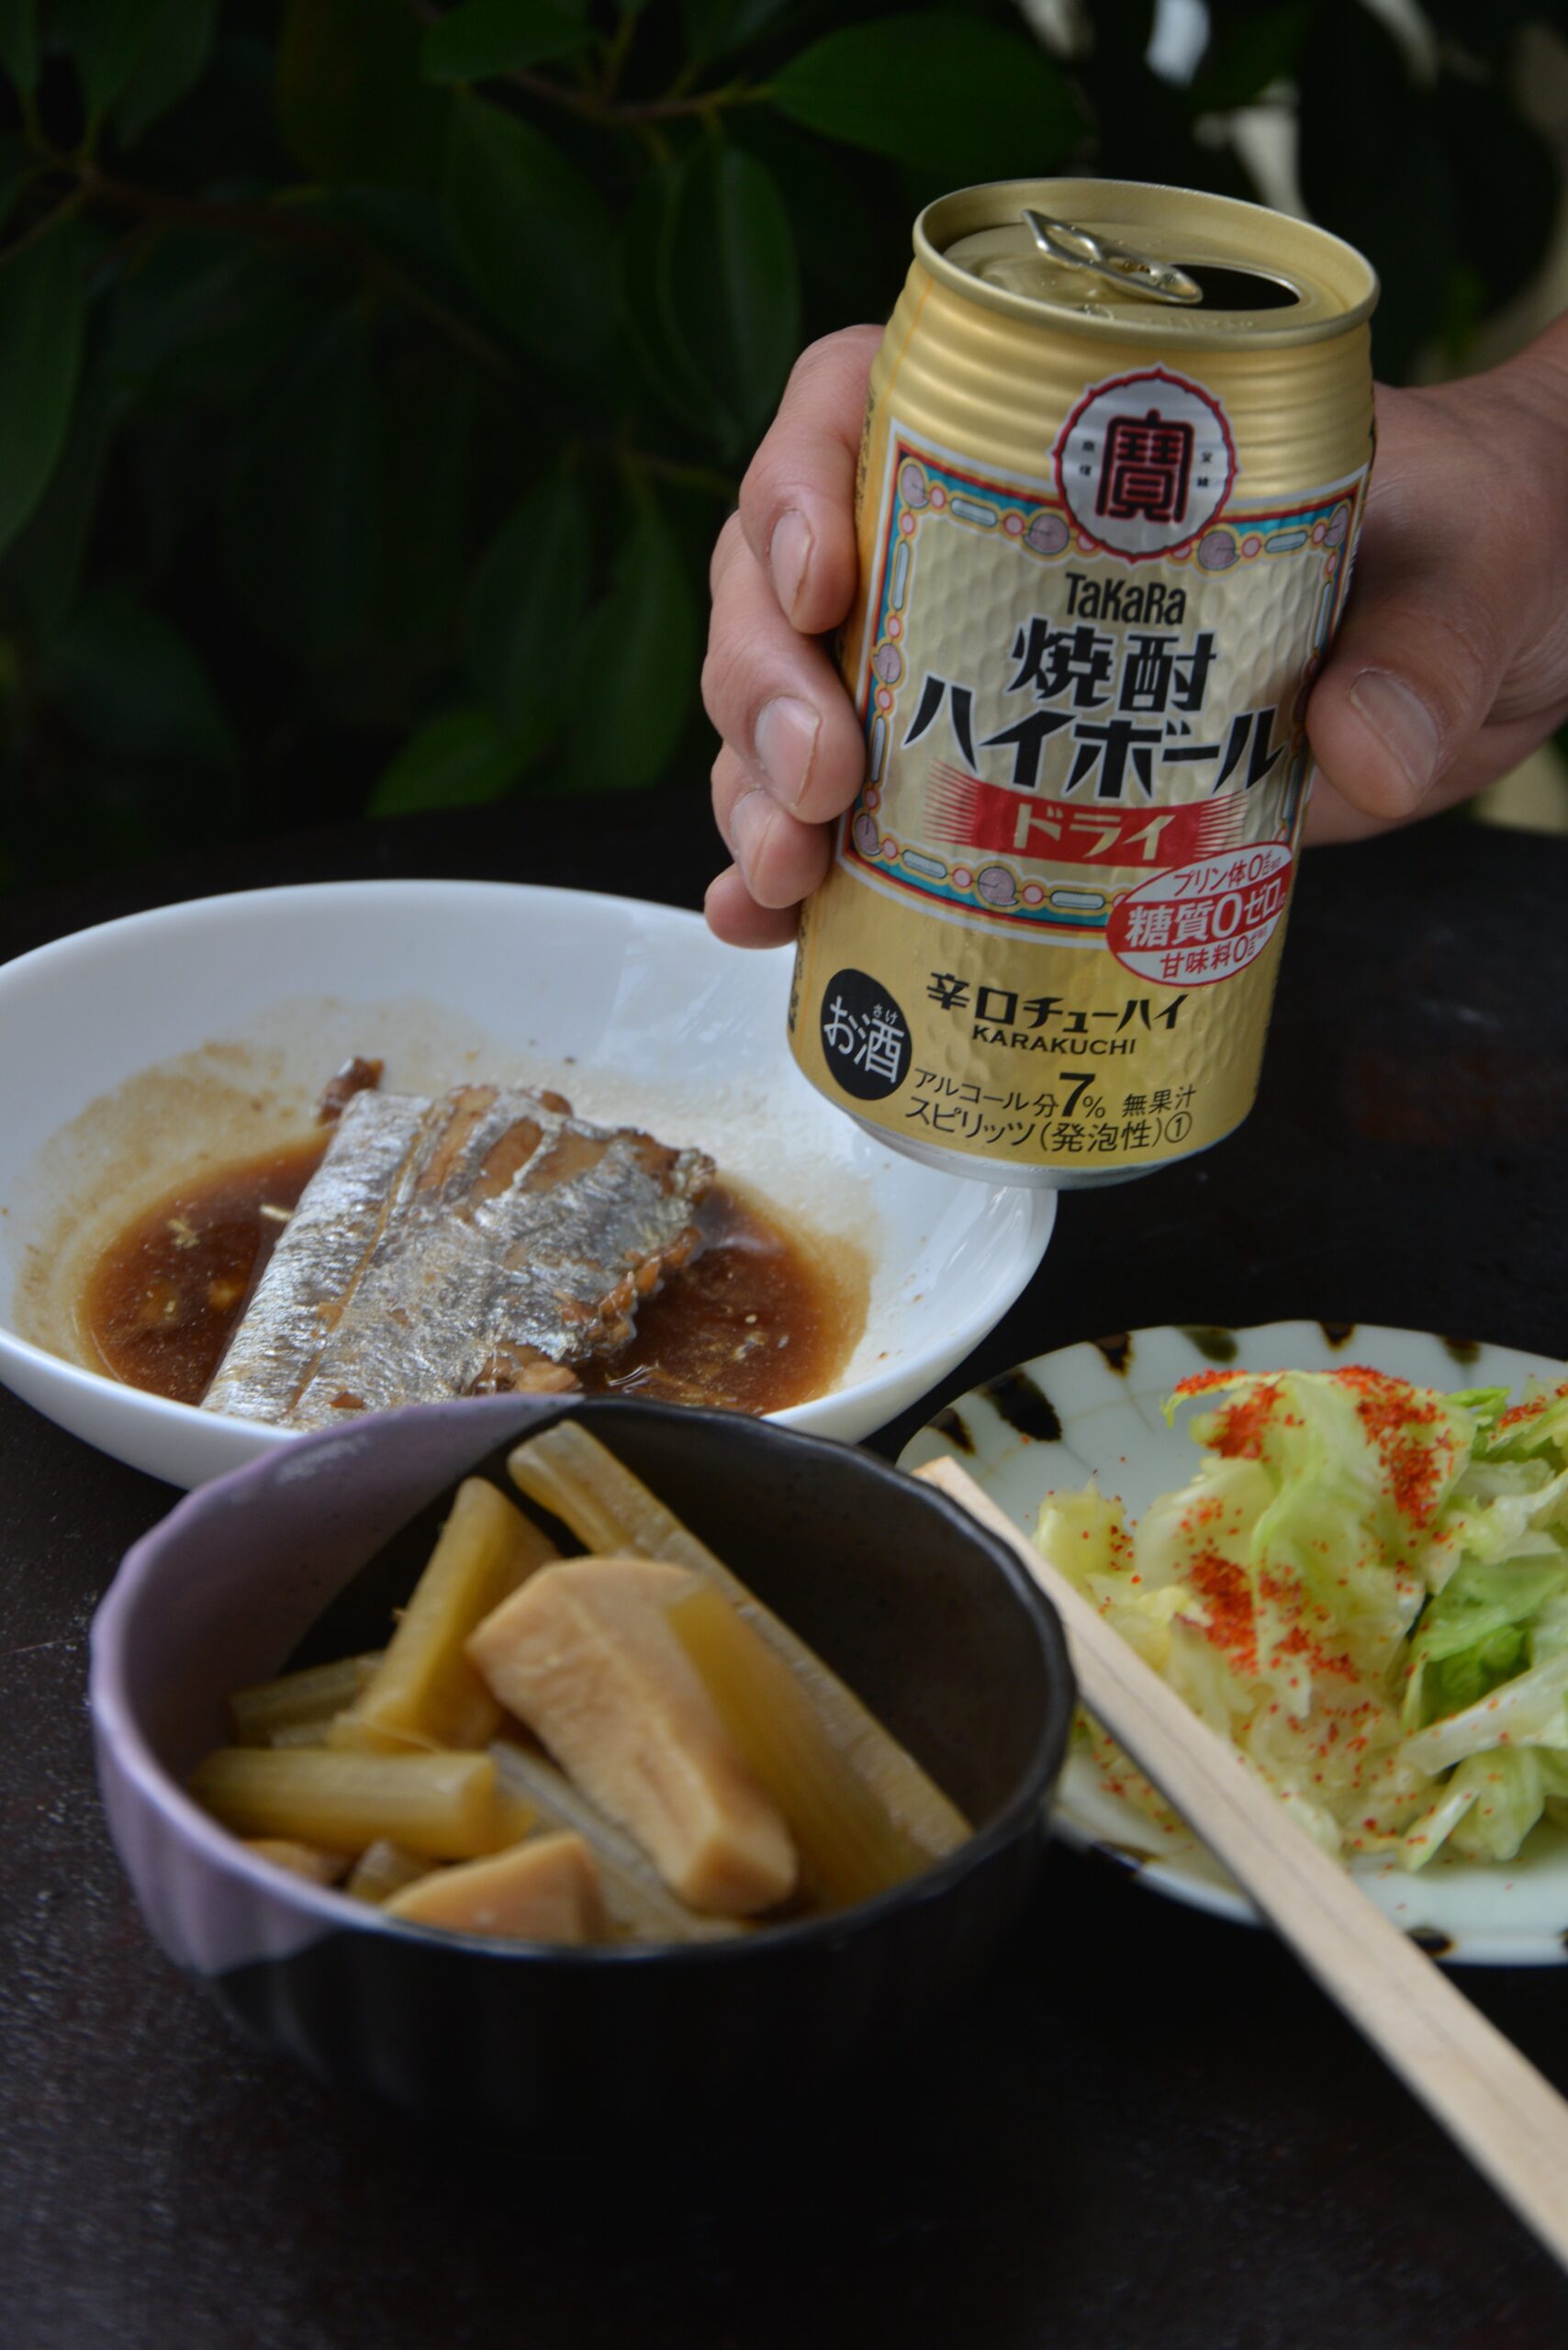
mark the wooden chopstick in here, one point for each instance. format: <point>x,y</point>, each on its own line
<point>1511,2121</point>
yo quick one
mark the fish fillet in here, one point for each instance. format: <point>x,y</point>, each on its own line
<point>483,1242</point>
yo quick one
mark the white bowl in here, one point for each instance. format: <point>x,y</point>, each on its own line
<point>131,1052</point>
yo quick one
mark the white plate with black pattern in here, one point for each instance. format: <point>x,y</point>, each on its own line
<point>1095,1410</point>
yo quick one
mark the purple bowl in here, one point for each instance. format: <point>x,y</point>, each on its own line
<point>920,1609</point>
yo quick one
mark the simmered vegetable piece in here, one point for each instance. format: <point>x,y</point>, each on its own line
<point>584,1655</point>
<point>546,1891</point>
<point>273,1711</point>
<point>849,1847</point>
<point>425,1693</point>
<point>384,1868</point>
<point>447,1807</point>
<point>636,1898</point>
<point>301,1860</point>
<point>568,1473</point>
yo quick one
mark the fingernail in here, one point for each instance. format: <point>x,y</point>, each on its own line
<point>786,744</point>
<point>788,552</point>
<point>750,820</point>
<point>1401,722</point>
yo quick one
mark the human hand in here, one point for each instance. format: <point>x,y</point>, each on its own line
<point>1450,665</point>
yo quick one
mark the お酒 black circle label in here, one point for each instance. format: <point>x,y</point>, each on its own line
<point>866,1039</point>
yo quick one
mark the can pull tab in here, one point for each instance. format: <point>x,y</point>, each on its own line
<point>1157,280</point>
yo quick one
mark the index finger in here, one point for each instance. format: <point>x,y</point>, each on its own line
<point>797,499</point>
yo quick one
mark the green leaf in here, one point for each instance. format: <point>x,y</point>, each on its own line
<point>714,26</point>
<point>525,606</point>
<point>954,96</point>
<point>636,667</point>
<point>40,570</point>
<point>130,682</point>
<point>301,521</point>
<point>352,102</point>
<point>171,63</point>
<point>19,43</point>
<point>736,284</point>
<point>19,164</point>
<point>1243,58</point>
<point>457,761</point>
<point>41,301</point>
<point>646,285</point>
<point>106,40</point>
<point>530,232</point>
<point>498,36</point>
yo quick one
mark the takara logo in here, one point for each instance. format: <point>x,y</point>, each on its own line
<point>1144,463</point>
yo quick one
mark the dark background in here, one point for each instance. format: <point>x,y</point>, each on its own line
<point>373,378</point>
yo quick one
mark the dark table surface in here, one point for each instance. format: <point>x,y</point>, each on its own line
<point>1154,2131</point>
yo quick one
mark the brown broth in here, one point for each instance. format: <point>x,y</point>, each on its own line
<point>758,1320</point>
<point>162,1300</point>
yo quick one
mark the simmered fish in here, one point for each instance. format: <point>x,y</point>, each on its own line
<point>483,1242</point>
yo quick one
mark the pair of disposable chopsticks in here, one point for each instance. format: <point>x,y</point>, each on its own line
<point>1511,2121</point>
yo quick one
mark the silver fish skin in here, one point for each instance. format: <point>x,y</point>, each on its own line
<point>488,1239</point>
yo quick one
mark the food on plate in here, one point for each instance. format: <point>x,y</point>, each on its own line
<point>1365,1587</point>
<point>486,1241</point>
<point>546,1891</point>
<point>567,1471</point>
<point>302,1860</point>
<point>424,1691</point>
<point>585,1656</point>
<point>666,1761</point>
<point>850,1845</point>
<point>476,1243</point>
<point>448,1807</point>
<point>298,1707</point>
<point>383,1868</point>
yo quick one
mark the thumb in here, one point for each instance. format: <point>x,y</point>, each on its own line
<point>1409,682</point>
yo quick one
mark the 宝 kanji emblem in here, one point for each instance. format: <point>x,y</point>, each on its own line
<point>1147,468</point>
<point>1145,463</point>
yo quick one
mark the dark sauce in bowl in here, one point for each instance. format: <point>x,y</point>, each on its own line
<point>759,1319</point>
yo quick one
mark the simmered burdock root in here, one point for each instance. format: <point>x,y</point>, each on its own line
<point>424,1691</point>
<point>546,1891</point>
<point>585,1655</point>
<point>447,1807</point>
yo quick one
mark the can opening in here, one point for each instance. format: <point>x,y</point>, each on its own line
<point>1240,289</point>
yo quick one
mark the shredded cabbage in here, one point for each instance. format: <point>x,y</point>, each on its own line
<point>1365,1587</point>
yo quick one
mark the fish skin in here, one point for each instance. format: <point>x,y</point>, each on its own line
<point>487,1239</point>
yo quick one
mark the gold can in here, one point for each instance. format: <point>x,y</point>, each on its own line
<point>1114,460</point>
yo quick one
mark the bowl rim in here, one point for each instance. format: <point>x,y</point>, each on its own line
<point>116,1726</point>
<point>1036,1226</point>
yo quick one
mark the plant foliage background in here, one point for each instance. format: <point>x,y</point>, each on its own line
<point>374,377</point>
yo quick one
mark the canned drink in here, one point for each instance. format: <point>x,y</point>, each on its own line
<point>1113,473</point>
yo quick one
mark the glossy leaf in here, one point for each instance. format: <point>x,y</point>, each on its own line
<point>530,232</point>
<point>130,683</point>
<point>40,569</point>
<point>352,102</point>
<point>301,525</point>
<point>456,761</point>
<point>736,284</point>
<point>40,342</point>
<point>524,610</point>
<point>647,282</point>
<point>713,28</point>
<point>168,67</point>
<point>486,37</point>
<point>19,164</point>
<point>952,94</point>
<point>20,42</point>
<point>636,672</point>
<point>1248,55</point>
